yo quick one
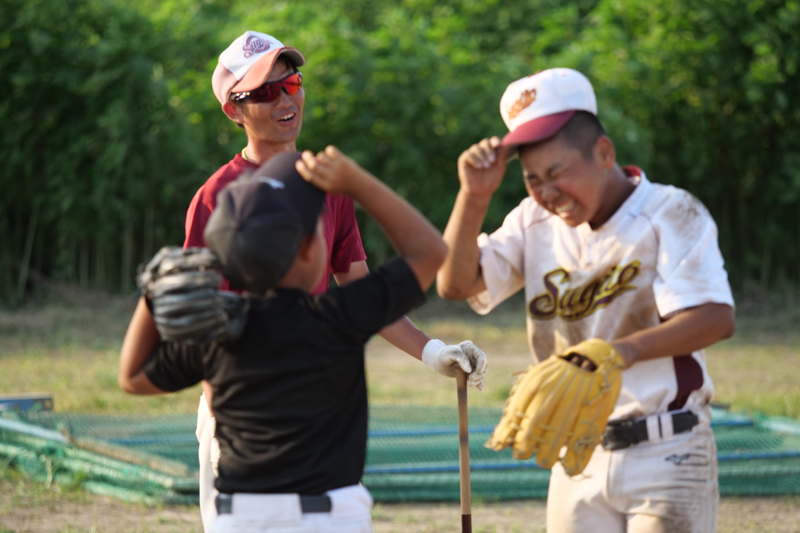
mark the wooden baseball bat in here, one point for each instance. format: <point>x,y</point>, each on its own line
<point>463,452</point>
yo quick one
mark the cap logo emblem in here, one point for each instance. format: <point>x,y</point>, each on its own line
<point>524,100</point>
<point>255,45</point>
<point>272,182</point>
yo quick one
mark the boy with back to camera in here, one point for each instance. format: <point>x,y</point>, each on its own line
<point>260,88</point>
<point>290,394</point>
<point>602,253</point>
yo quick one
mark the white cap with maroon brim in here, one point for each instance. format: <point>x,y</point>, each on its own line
<point>536,107</point>
<point>247,62</point>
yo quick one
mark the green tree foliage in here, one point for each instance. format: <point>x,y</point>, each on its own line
<point>110,125</point>
<point>94,156</point>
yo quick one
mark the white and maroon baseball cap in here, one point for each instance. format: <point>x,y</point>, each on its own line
<point>536,107</point>
<point>247,62</point>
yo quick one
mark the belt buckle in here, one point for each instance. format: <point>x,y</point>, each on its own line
<point>613,445</point>
<point>617,435</point>
<point>315,504</point>
<point>224,503</point>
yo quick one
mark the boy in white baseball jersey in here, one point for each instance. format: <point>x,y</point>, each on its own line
<point>603,252</point>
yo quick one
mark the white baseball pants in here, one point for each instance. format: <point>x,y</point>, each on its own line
<point>281,513</point>
<point>668,486</point>
<point>208,453</point>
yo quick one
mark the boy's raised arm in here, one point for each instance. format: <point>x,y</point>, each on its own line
<point>414,238</point>
<point>480,171</point>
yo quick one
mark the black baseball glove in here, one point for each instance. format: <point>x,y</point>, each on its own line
<point>182,288</point>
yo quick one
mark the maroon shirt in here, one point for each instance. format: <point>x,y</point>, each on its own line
<point>342,237</point>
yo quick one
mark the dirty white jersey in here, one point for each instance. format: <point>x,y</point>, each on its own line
<point>657,255</point>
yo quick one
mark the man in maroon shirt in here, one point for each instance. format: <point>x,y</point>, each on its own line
<point>341,231</point>
<point>257,83</point>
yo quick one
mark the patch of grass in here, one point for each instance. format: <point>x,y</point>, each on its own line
<point>757,377</point>
<point>30,494</point>
<point>84,380</point>
<point>31,506</point>
<point>70,347</point>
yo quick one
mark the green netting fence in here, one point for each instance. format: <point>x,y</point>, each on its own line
<point>412,455</point>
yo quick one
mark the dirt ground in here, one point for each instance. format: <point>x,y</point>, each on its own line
<point>43,511</point>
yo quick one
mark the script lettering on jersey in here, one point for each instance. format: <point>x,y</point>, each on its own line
<point>573,303</point>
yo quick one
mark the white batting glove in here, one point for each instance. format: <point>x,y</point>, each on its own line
<point>442,358</point>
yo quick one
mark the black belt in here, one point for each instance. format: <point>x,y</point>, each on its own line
<point>308,504</point>
<point>624,433</point>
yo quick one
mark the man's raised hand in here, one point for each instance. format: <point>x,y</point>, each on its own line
<point>481,167</point>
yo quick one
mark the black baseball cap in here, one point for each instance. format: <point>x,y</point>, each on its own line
<point>259,222</point>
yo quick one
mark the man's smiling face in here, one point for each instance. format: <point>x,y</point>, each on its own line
<point>563,181</point>
<point>279,121</point>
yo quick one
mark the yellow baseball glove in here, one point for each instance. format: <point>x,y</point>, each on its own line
<point>558,403</point>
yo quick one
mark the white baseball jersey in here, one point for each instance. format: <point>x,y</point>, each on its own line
<point>658,254</point>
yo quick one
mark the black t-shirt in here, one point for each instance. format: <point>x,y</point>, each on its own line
<point>290,395</point>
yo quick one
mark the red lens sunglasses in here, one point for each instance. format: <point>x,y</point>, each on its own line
<point>270,91</point>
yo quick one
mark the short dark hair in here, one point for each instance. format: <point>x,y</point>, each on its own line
<point>289,64</point>
<point>580,132</point>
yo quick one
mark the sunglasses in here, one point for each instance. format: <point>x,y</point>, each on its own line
<point>270,91</point>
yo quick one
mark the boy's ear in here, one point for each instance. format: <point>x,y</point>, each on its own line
<point>234,112</point>
<point>604,152</point>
